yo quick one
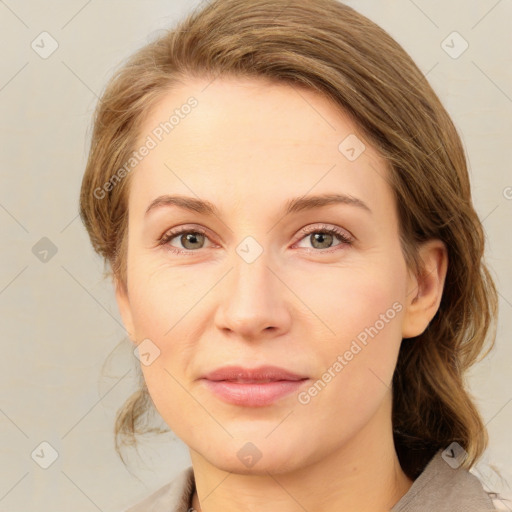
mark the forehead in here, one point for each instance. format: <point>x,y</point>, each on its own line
<point>232,139</point>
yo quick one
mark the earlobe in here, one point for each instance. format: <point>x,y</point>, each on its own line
<point>424,292</point>
<point>123,303</point>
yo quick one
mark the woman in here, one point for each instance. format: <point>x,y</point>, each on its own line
<point>286,209</point>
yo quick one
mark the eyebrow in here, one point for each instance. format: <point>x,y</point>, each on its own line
<point>294,205</point>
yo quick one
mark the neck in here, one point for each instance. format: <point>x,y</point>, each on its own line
<point>363,475</point>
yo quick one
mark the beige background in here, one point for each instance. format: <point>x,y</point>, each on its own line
<point>59,319</point>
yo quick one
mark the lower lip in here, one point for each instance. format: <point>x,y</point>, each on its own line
<point>253,395</point>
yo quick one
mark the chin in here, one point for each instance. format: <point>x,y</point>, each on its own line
<point>274,465</point>
<point>256,457</point>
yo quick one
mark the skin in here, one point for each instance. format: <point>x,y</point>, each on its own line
<point>248,147</point>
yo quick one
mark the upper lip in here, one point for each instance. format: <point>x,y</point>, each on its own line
<point>262,373</point>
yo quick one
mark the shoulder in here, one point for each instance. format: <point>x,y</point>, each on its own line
<point>172,497</point>
<point>441,487</point>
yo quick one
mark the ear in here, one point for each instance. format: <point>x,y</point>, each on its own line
<point>424,292</point>
<point>123,303</point>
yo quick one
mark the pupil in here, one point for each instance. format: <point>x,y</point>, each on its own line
<point>190,238</point>
<point>320,237</point>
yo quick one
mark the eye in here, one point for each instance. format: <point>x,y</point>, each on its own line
<point>322,237</point>
<point>189,239</point>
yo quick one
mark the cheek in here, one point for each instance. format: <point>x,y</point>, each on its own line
<point>161,319</point>
<point>164,302</point>
<point>162,297</point>
<point>169,396</point>
<point>362,307</point>
<point>347,299</point>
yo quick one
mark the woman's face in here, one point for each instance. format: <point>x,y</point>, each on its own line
<point>261,282</point>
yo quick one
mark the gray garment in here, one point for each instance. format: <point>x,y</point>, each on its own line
<point>175,496</point>
<point>439,488</point>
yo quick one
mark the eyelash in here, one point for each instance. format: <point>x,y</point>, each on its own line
<point>330,230</point>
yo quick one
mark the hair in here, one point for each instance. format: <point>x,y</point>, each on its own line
<point>330,48</point>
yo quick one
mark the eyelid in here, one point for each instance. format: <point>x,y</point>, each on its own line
<point>343,233</point>
<point>185,227</point>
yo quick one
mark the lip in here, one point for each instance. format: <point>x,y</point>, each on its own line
<point>252,387</point>
<point>262,373</point>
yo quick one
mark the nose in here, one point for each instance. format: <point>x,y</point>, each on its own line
<point>254,303</point>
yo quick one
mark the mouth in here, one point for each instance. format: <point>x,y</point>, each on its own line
<point>252,387</point>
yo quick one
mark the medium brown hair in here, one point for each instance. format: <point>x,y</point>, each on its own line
<point>328,47</point>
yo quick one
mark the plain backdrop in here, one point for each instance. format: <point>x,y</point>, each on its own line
<point>59,320</point>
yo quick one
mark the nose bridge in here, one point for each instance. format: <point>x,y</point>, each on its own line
<point>251,260</point>
<point>251,276</point>
<point>252,301</point>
